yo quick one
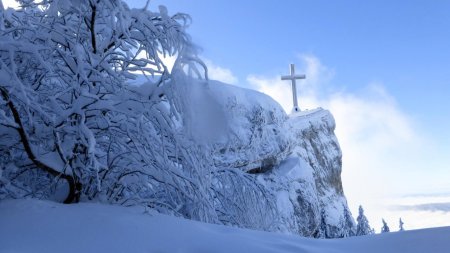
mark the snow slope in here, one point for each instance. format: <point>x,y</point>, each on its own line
<point>47,227</point>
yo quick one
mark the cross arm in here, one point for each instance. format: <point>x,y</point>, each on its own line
<point>293,77</point>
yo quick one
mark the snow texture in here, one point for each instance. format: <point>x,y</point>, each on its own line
<point>47,227</point>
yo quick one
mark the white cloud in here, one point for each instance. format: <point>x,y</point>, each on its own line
<point>317,74</point>
<point>274,87</point>
<point>219,73</point>
<point>378,139</point>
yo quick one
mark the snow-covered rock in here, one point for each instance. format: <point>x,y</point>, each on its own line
<point>297,157</point>
<point>244,127</point>
<point>313,175</point>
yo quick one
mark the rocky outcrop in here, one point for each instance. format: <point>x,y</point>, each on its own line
<point>311,175</point>
<point>296,157</point>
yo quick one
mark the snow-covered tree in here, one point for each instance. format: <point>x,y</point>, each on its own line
<point>401,228</point>
<point>323,229</point>
<point>65,108</point>
<point>69,121</point>
<point>347,224</point>
<point>385,227</point>
<point>362,227</point>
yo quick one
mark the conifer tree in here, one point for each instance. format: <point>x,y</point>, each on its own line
<point>323,225</point>
<point>385,227</point>
<point>347,224</point>
<point>362,227</point>
<point>401,225</point>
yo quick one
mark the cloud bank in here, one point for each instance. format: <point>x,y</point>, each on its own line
<point>431,207</point>
<point>219,73</point>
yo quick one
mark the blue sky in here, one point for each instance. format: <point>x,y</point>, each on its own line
<point>381,67</point>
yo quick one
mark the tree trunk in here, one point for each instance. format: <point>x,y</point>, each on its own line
<point>74,187</point>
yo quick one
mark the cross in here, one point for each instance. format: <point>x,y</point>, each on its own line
<point>293,77</point>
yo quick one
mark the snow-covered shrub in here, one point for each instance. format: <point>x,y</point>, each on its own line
<point>67,115</point>
<point>72,129</point>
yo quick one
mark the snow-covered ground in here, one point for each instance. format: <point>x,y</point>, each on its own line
<point>41,226</point>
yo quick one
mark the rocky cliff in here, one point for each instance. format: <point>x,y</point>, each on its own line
<point>310,192</point>
<point>296,156</point>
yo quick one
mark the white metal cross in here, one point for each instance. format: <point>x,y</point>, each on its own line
<point>293,77</point>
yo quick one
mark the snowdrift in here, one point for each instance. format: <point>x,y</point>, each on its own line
<point>47,227</point>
